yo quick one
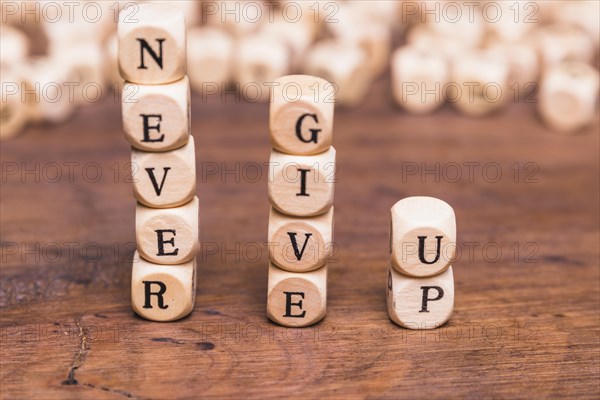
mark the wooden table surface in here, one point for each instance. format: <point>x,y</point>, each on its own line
<point>526,318</point>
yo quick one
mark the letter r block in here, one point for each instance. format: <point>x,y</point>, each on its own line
<point>297,299</point>
<point>423,236</point>
<point>420,303</point>
<point>152,44</point>
<point>157,117</point>
<point>301,115</point>
<point>162,292</point>
<point>168,235</point>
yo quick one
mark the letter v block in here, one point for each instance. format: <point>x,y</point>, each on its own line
<point>169,235</point>
<point>152,44</point>
<point>302,186</point>
<point>301,115</point>
<point>297,299</point>
<point>164,180</point>
<point>157,117</point>
<point>420,303</point>
<point>300,244</point>
<point>162,292</point>
<point>423,236</point>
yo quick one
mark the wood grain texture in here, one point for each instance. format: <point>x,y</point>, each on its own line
<point>525,325</point>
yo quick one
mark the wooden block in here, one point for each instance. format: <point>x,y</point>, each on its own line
<point>210,57</point>
<point>300,244</point>
<point>464,25</point>
<point>302,186</point>
<point>169,235</point>
<point>583,14</point>
<point>301,115</point>
<point>523,63</point>
<point>342,64</point>
<point>259,61</point>
<point>568,96</point>
<point>418,79</point>
<point>13,110</point>
<point>162,292</point>
<point>191,9</point>
<point>85,64</point>
<point>450,46</point>
<point>298,36</point>
<point>157,117</point>
<point>296,299</point>
<point>480,83</point>
<point>164,180</point>
<point>563,42</point>
<point>513,22</point>
<point>14,46</point>
<point>153,49</point>
<point>423,236</point>
<point>420,303</point>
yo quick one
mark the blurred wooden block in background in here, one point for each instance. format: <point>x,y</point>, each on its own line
<point>162,292</point>
<point>14,46</point>
<point>259,61</point>
<point>297,35</point>
<point>301,115</point>
<point>342,64</point>
<point>157,117</point>
<point>153,49</point>
<point>560,42</point>
<point>479,83</point>
<point>210,58</point>
<point>164,180</point>
<point>568,96</point>
<point>296,299</point>
<point>300,244</point>
<point>423,236</point>
<point>85,63</point>
<point>418,79</point>
<point>14,113</point>
<point>302,186</point>
<point>523,64</point>
<point>420,303</point>
<point>168,235</point>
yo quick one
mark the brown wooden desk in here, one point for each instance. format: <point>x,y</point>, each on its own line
<point>526,321</point>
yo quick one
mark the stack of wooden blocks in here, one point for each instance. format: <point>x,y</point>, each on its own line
<point>301,185</point>
<point>156,121</point>
<point>420,290</point>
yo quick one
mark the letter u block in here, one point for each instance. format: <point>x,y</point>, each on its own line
<point>301,115</point>
<point>152,44</point>
<point>423,236</point>
<point>162,292</point>
<point>302,186</point>
<point>420,303</point>
<point>157,117</point>
<point>296,299</point>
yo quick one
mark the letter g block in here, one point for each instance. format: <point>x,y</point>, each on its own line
<point>423,236</point>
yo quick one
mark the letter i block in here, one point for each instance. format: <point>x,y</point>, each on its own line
<point>162,292</point>
<point>423,236</point>
<point>167,236</point>
<point>152,44</point>
<point>300,244</point>
<point>301,115</point>
<point>157,117</point>
<point>302,186</point>
<point>420,303</point>
<point>164,180</point>
<point>296,299</point>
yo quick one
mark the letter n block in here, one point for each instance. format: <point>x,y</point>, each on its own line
<point>420,303</point>
<point>423,236</point>
<point>162,292</point>
<point>297,299</point>
<point>152,44</point>
<point>301,115</point>
<point>164,180</point>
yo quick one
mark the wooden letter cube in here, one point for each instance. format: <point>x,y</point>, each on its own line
<point>300,244</point>
<point>210,57</point>
<point>423,236</point>
<point>162,292</point>
<point>169,235</point>
<point>568,96</point>
<point>418,79</point>
<point>163,180</point>
<point>420,303</point>
<point>296,299</point>
<point>302,186</point>
<point>301,115</point>
<point>152,46</point>
<point>157,117</point>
